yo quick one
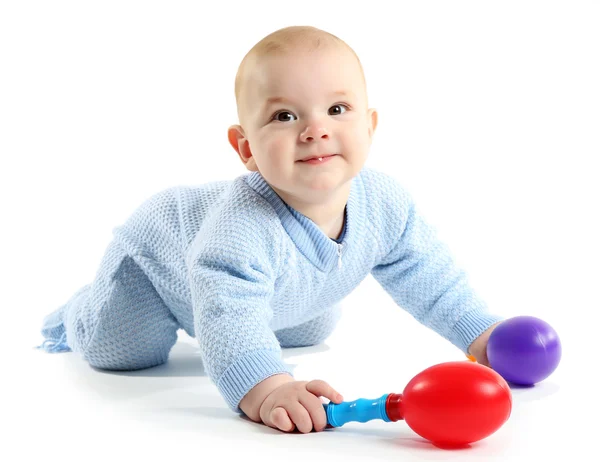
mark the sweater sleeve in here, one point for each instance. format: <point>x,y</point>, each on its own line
<point>420,274</point>
<point>233,268</point>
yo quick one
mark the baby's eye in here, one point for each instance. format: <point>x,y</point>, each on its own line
<point>337,109</point>
<point>284,116</point>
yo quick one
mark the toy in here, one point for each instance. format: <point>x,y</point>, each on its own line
<point>524,350</point>
<point>450,404</point>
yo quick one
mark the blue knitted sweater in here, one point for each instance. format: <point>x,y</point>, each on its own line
<point>245,274</point>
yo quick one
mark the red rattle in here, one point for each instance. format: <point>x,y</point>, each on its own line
<point>450,404</point>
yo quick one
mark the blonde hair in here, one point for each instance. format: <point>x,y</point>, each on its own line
<point>293,38</point>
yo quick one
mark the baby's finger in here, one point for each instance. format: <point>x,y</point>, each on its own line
<point>279,418</point>
<point>314,407</point>
<point>321,388</point>
<point>299,416</point>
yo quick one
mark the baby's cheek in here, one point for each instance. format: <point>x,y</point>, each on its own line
<point>358,145</point>
<point>360,134</point>
<point>278,145</point>
<point>281,151</point>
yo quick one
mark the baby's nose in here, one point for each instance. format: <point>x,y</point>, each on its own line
<point>311,133</point>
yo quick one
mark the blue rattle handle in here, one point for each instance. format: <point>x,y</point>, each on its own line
<point>360,410</point>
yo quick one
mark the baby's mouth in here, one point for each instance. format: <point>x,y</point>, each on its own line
<point>317,159</point>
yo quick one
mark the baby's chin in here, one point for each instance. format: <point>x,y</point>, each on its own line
<point>322,186</point>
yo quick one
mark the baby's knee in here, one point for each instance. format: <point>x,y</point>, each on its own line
<point>127,354</point>
<point>111,362</point>
<point>310,333</point>
<point>290,338</point>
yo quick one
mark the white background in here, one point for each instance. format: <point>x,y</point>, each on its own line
<point>489,115</point>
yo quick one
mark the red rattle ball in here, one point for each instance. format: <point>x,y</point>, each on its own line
<point>450,404</point>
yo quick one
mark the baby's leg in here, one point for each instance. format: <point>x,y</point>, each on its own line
<point>119,322</point>
<point>311,332</point>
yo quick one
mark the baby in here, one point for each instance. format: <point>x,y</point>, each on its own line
<point>260,263</point>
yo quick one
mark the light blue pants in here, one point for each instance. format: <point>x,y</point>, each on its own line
<point>118,322</point>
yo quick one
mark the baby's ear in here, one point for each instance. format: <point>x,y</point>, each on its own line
<point>239,142</point>
<point>372,119</point>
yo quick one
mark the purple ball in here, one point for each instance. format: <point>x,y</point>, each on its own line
<point>524,350</point>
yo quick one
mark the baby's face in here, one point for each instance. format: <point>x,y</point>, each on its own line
<point>307,106</point>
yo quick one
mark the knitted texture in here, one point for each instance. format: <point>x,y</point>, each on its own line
<point>242,272</point>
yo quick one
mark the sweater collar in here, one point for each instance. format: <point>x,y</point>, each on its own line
<point>310,240</point>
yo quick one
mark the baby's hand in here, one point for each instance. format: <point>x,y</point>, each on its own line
<point>478,348</point>
<point>297,405</point>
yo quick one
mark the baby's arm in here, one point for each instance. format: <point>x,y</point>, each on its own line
<point>419,272</point>
<point>285,404</point>
<point>232,284</point>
